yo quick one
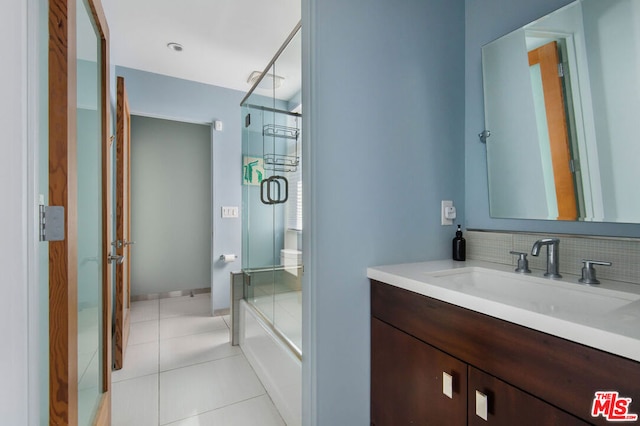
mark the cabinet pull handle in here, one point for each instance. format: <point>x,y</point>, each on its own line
<point>482,405</point>
<point>447,384</point>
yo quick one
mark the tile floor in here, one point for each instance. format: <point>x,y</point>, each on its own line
<point>180,369</point>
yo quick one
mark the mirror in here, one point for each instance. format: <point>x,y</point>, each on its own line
<point>562,95</point>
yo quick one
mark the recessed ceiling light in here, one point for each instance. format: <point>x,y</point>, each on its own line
<point>176,47</point>
<point>270,81</point>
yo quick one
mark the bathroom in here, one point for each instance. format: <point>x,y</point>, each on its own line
<point>409,160</point>
<point>394,99</point>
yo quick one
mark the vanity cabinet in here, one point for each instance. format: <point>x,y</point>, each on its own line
<point>502,404</point>
<point>527,377</point>
<point>407,387</point>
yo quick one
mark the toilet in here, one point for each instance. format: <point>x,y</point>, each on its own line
<point>291,259</point>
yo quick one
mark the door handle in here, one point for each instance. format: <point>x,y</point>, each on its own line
<point>266,184</point>
<point>128,243</point>
<point>263,193</point>
<point>277,187</point>
<point>482,405</point>
<point>447,384</point>
<point>118,259</point>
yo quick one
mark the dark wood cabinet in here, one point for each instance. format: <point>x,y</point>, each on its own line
<point>407,388</point>
<point>507,405</point>
<point>522,376</point>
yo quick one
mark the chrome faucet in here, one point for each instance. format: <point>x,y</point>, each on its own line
<point>553,255</point>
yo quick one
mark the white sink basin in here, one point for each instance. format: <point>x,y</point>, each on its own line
<point>604,317</point>
<point>556,298</point>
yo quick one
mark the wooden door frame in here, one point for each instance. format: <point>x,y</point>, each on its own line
<point>547,57</point>
<point>63,262</point>
<point>123,211</point>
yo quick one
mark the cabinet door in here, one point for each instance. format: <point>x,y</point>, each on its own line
<point>508,405</point>
<point>407,381</point>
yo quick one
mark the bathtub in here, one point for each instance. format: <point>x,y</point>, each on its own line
<point>274,359</point>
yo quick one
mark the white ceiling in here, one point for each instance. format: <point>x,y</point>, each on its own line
<point>224,40</point>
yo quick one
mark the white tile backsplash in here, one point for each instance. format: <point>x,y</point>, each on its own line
<point>490,246</point>
<point>624,253</point>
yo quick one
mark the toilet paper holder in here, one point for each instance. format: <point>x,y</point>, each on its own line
<point>228,258</point>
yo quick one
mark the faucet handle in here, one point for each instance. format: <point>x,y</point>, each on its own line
<point>523,262</point>
<point>589,272</point>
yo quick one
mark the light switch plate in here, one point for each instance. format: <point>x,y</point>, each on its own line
<point>229,212</point>
<point>444,220</point>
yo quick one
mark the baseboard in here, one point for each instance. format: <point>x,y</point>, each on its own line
<point>168,294</point>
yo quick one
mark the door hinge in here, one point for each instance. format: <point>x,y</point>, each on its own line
<point>247,120</point>
<point>560,70</point>
<point>574,165</point>
<point>51,223</point>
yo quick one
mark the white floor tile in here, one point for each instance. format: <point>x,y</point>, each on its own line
<point>199,305</point>
<point>135,402</point>
<point>139,360</point>
<point>186,325</point>
<point>180,367</point>
<point>193,390</point>
<point>144,310</point>
<point>143,332</point>
<point>255,411</point>
<point>227,320</point>
<point>196,348</point>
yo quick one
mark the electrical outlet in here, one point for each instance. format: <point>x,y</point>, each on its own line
<point>443,212</point>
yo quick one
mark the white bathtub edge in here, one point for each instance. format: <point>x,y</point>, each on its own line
<point>277,368</point>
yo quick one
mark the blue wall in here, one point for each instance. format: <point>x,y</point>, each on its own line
<point>486,21</point>
<point>160,96</point>
<point>383,144</point>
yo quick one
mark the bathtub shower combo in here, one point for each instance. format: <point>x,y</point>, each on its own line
<point>270,312</point>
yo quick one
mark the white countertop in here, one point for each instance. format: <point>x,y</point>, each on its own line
<point>616,331</point>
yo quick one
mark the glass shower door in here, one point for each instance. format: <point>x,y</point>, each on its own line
<point>272,199</point>
<point>258,236</point>
<point>272,217</point>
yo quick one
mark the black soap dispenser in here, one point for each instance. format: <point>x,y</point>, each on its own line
<point>459,246</point>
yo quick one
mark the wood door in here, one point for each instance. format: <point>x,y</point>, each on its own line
<point>63,279</point>
<point>123,224</point>
<point>547,57</point>
<point>63,191</point>
<point>406,381</point>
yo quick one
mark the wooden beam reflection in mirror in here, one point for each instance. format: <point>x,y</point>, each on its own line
<point>547,58</point>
